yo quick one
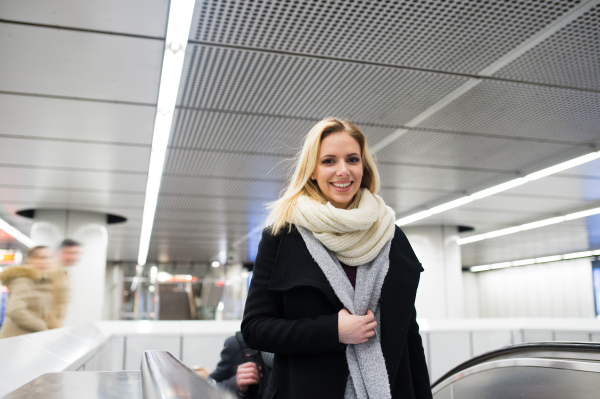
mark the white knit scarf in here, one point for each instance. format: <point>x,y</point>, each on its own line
<point>356,235</point>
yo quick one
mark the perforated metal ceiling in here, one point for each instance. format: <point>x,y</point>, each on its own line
<point>259,73</point>
<point>463,36</point>
<point>570,58</point>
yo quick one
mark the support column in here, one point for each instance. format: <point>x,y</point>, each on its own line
<point>440,293</point>
<point>50,227</point>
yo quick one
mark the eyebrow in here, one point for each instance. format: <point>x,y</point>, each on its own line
<point>333,156</point>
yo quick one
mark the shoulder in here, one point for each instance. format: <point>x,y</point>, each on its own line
<point>18,275</point>
<point>401,243</point>
<point>273,240</point>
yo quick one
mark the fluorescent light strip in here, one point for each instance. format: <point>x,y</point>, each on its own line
<point>544,259</point>
<point>178,30</point>
<point>498,188</point>
<point>8,229</point>
<point>527,226</point>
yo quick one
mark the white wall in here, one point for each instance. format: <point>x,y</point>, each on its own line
<point>440,292</point>
<point>557,289</point>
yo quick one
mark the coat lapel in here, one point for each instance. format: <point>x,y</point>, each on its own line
<point>397,307</point>
<point>295,266</point>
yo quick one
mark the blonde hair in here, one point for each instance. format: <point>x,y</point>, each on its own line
<point>306,162</point>
<point>32,253</point>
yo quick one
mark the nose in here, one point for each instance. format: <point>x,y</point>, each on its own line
<point>343,169</point>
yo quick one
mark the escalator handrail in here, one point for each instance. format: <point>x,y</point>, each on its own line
<point>163,376</point>
<point>561,364</point>
<point>520,349</point>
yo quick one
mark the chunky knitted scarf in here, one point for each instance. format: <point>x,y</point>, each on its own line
<point>368,378</point>
<point>356,235</point>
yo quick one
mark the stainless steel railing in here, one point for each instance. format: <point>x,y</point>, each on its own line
<point>165,377</point>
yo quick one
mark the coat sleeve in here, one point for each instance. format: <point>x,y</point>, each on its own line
<point>264,326</point>
<point>228,363</point>
<point>22,292</point>
<point>420,375</point>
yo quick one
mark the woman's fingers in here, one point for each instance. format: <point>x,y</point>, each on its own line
<point>371,325</point>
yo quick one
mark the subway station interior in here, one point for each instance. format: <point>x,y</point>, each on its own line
<point>152,135</point>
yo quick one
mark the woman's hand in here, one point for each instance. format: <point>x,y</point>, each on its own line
<point>355,329</point>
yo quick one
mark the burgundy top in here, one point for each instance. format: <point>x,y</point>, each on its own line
<point>351,273</point>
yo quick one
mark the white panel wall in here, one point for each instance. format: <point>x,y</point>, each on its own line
<point>557,289</point>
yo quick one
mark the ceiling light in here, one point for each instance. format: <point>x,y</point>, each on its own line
<point>216,264</point>
<point>523,262</point>
<point>499,188</point>
<point>544,259</point>
<point>582,214</point>
<point>413,218</point>
<point>563,166</point>
<point>178,29</point>
<point>576,255</point>
<point>8,229</point>
<point>527,226</point>
<point>501,265</point>
<point>542,223</point>
<point>450,205</point>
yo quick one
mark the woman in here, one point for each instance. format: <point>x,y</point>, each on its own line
<point>335,280</point>
<point>29,294</point>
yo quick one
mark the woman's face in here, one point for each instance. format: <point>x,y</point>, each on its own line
<point>339,169</point>
<point>41,259</point>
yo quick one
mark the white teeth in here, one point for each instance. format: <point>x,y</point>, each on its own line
<point>343,185</point>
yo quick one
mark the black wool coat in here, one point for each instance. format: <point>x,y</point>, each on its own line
<point>292,311</point>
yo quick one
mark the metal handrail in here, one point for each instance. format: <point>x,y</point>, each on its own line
<point>165,377</point>
<point>525,351</point>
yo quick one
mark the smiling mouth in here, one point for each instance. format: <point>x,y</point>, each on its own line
<point>342,186</point>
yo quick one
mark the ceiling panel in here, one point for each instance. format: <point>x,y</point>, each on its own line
<point>464,36</point>
<point>74,64</point>
<point>54,118</point>
<point>137,17</point>
<point>589,170</point>
<point>75,155</point>
<point>72,179</point>
<point>567,237</point>
<point>237,131</point>
<point>226,164</point>
<point>38,195</point>
<point>205,186</point>
<point>276,84</point>
<point>469,150</point>
<point>514,109</point>
<point>445,179</point>
<point>558,186</point>
<point>571,57</point>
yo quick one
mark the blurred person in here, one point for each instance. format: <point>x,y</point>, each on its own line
<point>242,370</point>
<point>335,281</point>
<point>30,296</point>
<point>67,255</point>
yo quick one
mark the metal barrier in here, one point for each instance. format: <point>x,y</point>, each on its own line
<point>165,377</point>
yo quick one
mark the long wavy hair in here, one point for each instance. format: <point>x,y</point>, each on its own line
<point>305,164</point>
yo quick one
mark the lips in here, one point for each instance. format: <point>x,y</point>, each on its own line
<point>342,186</point>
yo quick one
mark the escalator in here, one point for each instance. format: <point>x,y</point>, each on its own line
<point>541,370</point>
<point>552,370</point>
